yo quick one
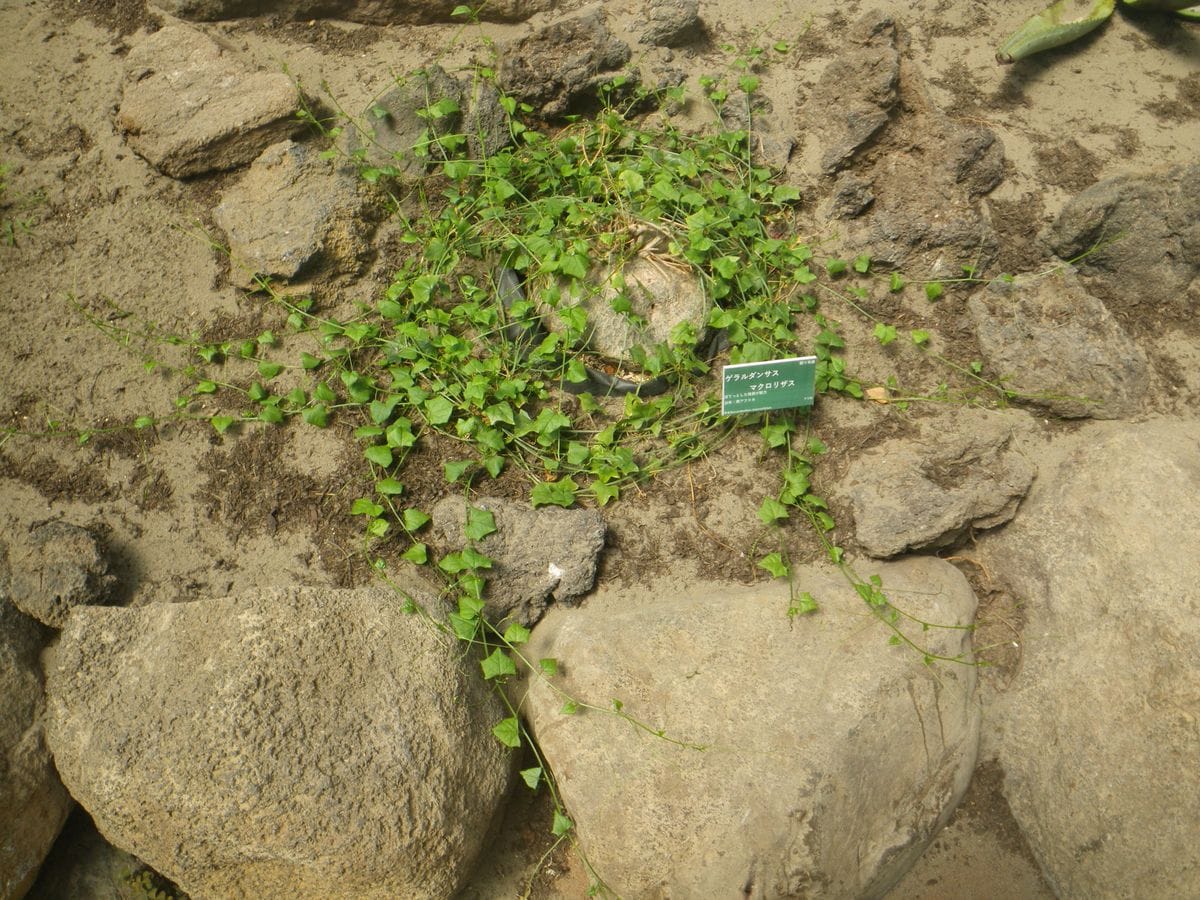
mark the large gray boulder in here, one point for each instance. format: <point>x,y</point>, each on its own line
<point>963,471</point>
<point>1136,239</point>
<point>189,106</point>
<point>829,757</point>
<point>1059,347</point>
<point>1099,735</point>
<point>33,802</point>
<point>293,214</point>
<point>307,743</point>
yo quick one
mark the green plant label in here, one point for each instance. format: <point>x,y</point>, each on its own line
<point>775,384</point>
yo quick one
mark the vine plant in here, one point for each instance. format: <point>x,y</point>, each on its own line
<point>435,354</point>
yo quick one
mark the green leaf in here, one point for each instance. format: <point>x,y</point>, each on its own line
<point>324,393</point>
<point>456,468</point>
<point>494,465</point>
<point>548,666</point>
<point>554,493</point>
<point>380,454</point>
<point>269,370</point>
<point>934,290</point>
<point>631,181</point>
<point>508,732</point>
<point>316,415</point>
<point>802,605</point>
<point>271,414</point>
<point>771,510</point>
<point>309,362</point>
<point>480,523</point>
<point>574,264</point>
<point>727,266</point>
<point>896,283</point>
<point>205,387</point>
<point>862,264</point>
<point>532,777</point>
<point>885,334</point>
<point>920,337</point>
<point>221,423</point>
<point>364,506</point>
<point>381,410</point>
<point>561,824</point>
<point>414,519</point>
<point>378,527</point>
<point>497,665</point>
<point>516,633</point>
<point>604,492</point>
<point>389,487</point>
<point>835,266</point>
<point>785,193</point>
<point>257,392</point>
<point>438,410</point>
<point>417,553</point>
<point>776,435</point>
<point>773,563</point>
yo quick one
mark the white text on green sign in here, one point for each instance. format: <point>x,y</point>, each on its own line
<point>762,386</point>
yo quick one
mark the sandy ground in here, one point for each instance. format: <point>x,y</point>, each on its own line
<point>187,514</point>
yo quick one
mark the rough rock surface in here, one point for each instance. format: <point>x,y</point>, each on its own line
<point>1141,234</point>
<point>394,127</point>
<point>33,801</point>
<point>305,743</point>
<point>539,555</point>
<point>293,213</point>
<point>670,23</point>
<point>556,64</point>
<point>1099,735</point>
<point>913,173</point>
<point>855,96</point>
<point>189,106</point>
<point>1060,347</point>
<point>831,757</point>
<point>54,567</point>
<point>662,297</point>
<point>368,12</point>
<point>962,472</point>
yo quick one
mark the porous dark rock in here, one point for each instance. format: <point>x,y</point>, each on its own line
<point>855,96</point>
<point>293,214</point>
<point>907,176</point>
<point>53,567</point>
<point>301,743</point>
<point>395,129</point>
<point>1058,346</point>
<point>1098,735</point>
<point>539,556</point>
<point>779,758</point>
<point>398,131</point>
<point>963,471</point>
<point>33,802</point>
<point>189,106</point>
<point>368,12</point>
<point>670,23</point>
<point>1136,240</point>
<point>562,62</point>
